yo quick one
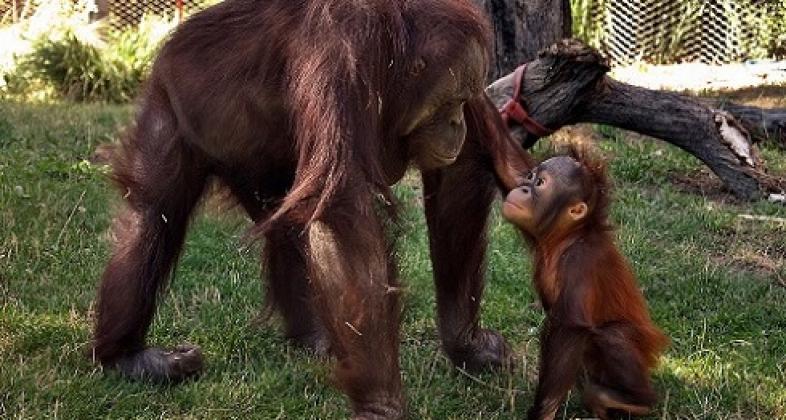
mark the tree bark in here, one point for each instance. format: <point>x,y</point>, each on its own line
<point>567,84</point>
<point>712,135</point>
<point>524,27</point>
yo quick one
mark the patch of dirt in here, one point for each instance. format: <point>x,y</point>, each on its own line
<point>704,183</point>
<point>752,244</point>
<point>762,267</point>
<point>218,202</point>
<point>753,248</point>
<point>773,182</point>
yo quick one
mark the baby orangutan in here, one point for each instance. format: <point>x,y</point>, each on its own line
<point>597,329</point>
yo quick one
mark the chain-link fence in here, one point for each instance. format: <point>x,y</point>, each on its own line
<point>658,31</point>
<point>11,10</point>
<point>710,31</point>
<point>122,13</point>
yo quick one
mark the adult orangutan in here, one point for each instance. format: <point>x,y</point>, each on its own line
<point>308,111</point>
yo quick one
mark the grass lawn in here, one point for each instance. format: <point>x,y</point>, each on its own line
<point>715,283</point>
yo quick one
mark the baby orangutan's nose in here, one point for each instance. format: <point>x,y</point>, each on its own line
<point>525,189</point>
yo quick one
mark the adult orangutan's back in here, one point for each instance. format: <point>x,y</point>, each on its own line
<point>308,111</point>
<point>228,65</point>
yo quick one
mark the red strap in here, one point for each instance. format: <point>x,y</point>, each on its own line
<point>513,111</point>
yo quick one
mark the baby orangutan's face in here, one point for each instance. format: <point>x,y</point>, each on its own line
<point>549,199</point>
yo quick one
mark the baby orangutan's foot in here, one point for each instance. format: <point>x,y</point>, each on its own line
<point>600,400</point>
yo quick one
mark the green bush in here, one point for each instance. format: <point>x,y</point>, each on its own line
<point>588,20</point>
<point>81,69</point>
<point>73,68</point>
<point>765,27</point>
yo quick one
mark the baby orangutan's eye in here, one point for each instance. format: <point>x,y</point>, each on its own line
<point>539,182</point>
<point>531,176</point>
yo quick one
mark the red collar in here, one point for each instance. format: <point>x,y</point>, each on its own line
<point>513,111</point>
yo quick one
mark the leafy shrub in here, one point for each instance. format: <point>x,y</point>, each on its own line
<point>73,68</point>
<point>588,20</point>
<point>88,68</point>
<point>764,26</point>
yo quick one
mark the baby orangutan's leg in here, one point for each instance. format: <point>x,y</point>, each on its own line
<point>600,400</point>
<point>617,379</point>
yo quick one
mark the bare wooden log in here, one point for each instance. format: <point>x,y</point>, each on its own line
<point>712,135</point>
<point>567,85</point>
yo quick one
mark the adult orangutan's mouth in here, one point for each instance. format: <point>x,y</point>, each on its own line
<point>446,158</point>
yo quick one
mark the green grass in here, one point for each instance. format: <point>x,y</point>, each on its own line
<point>713,280</point>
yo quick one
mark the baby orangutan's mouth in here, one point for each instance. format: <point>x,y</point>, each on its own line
<point>517,198</point>
<point>511,203</point>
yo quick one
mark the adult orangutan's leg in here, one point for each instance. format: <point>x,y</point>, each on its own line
<point>457,200</point>
<point>356,295</point>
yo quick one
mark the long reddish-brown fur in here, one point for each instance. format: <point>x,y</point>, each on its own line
<point>597,319</point>
<point>593,302</point>
<point>295,106</point>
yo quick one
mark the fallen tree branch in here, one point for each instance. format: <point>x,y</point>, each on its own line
<point>567,84</point>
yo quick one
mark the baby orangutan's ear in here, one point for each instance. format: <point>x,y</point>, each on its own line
<point>578,211</point>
